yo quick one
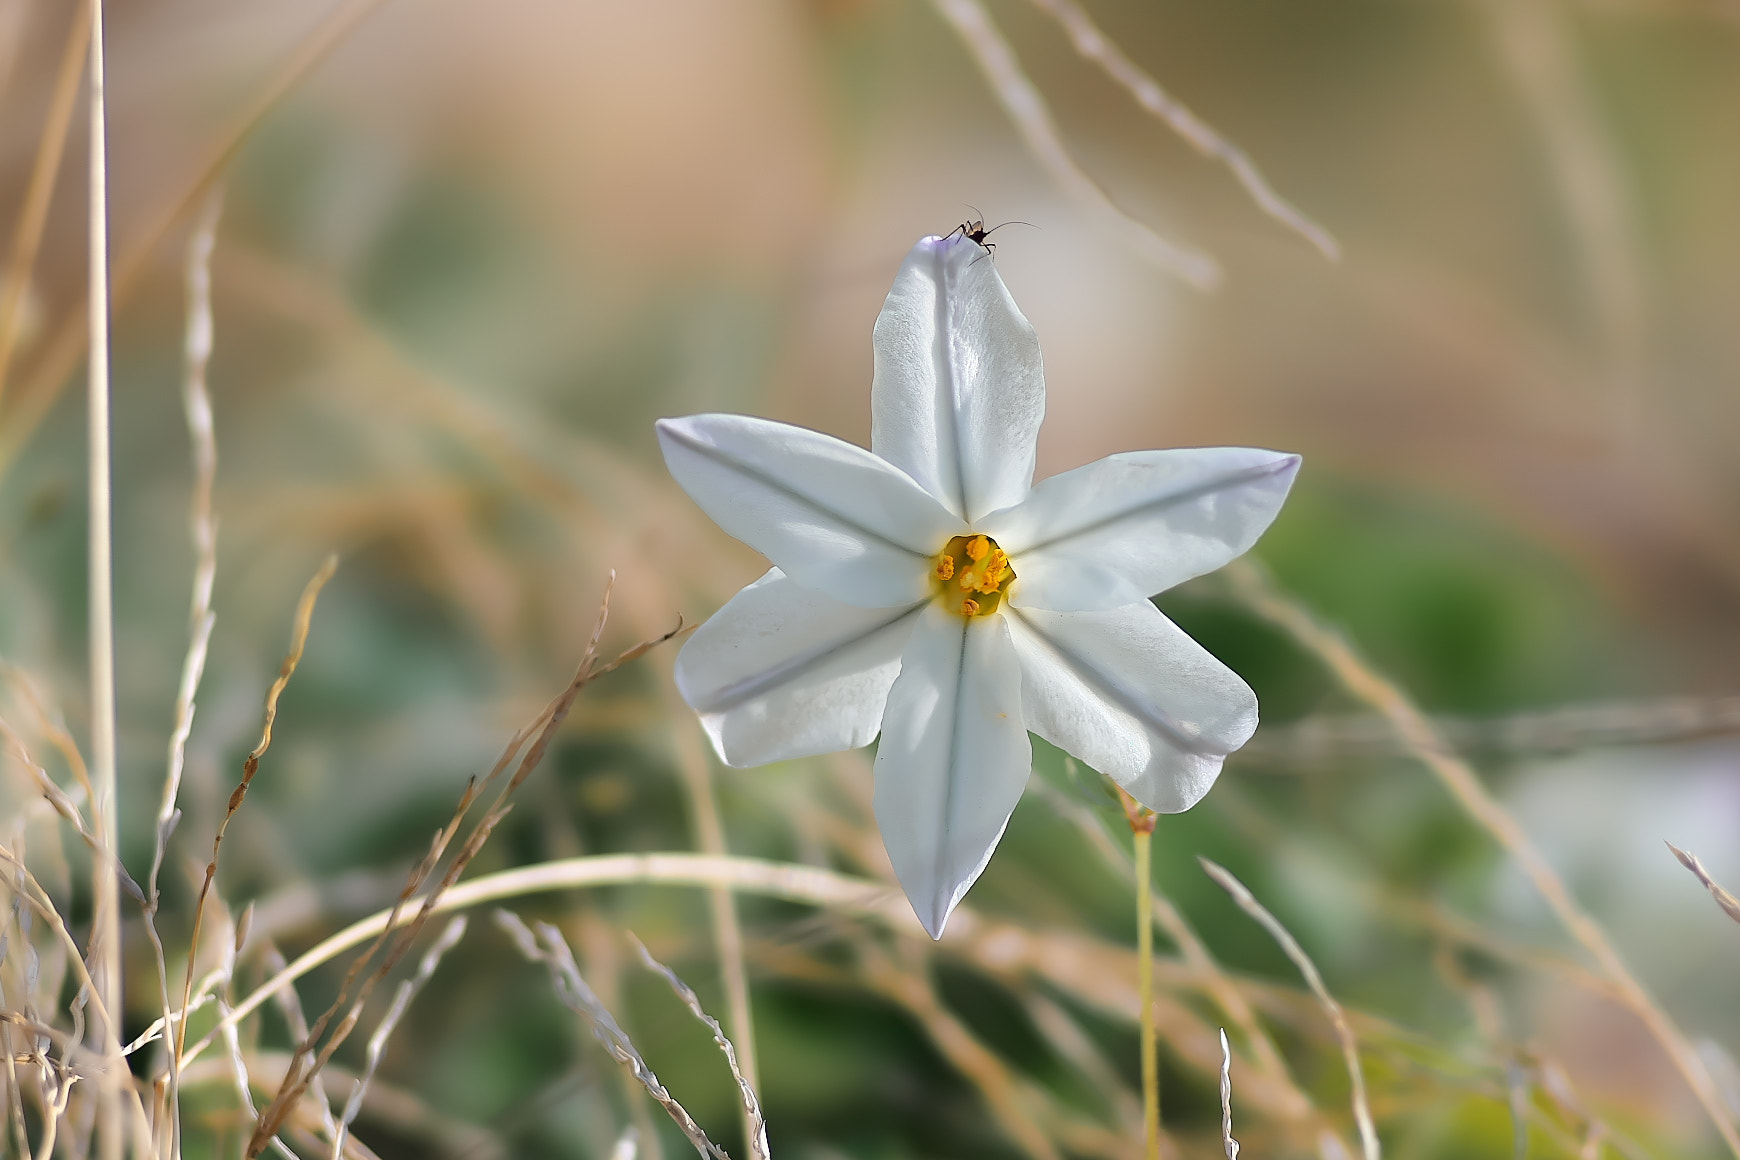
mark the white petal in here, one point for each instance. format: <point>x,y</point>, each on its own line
<point>832,516</point>
<point>959,389</point>
<point>1130,525</point>
<point>782,672</point>
<point>953,760</point>
<point>1130,694</point>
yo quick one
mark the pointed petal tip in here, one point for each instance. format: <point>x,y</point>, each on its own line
<point>935,917</point>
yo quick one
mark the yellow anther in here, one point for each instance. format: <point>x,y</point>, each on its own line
<point>973,574</point>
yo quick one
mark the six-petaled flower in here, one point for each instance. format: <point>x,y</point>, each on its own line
<point>927,590</point>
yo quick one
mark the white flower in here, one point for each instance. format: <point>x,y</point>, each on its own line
<point>925,589</point>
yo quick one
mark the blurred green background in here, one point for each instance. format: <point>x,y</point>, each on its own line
<point>463,267</point>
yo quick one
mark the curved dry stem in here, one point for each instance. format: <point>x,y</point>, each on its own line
<point>251,766</point>
<point>1096,46</point>
<point>1027,109</point>
<point>697,771</point>
<point>1337,1017</point>
<point>1428,746</point>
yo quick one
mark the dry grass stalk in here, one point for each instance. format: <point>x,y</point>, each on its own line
<point>549,948</point>
<point>105,894</point>
<point>1330,740</point>
<point>1226,1137</point>
<point>106,1060</point>
<point>1337,1017</point>
<point>1458,777</point>
<point>377,1044</point>
<point>289,1005</point>
<point>1096,46</point>
<point>238,1062</point>
<point>250,767</point>
<point>68,809</point>
<point>757,1135</point>
<point>39,193</point>
<point>17,918</point>
<point>697,772</point>
<point>1010,1100</point>
<point>196,405</point>
<point>393,942</point>
<point>66,341</point>
<point>1032,118</point>
<point>1076,964</point>
<point>1729,904</point>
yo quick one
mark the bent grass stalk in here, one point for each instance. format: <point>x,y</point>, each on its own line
<point>250,768</point>
<point>311,1056</point>
<point>1027,109</point>
<point>1426,744</point>
<point>1094,45</point>
<point>1337,1017</point>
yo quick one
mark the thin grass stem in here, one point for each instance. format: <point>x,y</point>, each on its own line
<point>105,886</point>
<point>1427,745</point>
<point>1314,979</point>
<point>1027,109</point>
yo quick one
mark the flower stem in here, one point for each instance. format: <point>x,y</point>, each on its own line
<point>1141,821</point>
<point>1145,969</point>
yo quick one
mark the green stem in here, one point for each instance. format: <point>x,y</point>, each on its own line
<point>1145,985</point>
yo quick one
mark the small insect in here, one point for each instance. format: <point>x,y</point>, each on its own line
<point>973,229</point>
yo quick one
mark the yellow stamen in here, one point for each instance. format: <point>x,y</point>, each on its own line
<point>973,573</point>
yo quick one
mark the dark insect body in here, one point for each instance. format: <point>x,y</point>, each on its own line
<point>973,229</point>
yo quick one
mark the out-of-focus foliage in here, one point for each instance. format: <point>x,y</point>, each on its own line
<point>464,265</point>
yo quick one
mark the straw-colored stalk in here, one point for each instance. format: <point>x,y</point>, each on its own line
<point>1427,745</point>
<point>1314,979</point>
<point>105,948</point>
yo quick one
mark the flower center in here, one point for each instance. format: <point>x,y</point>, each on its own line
<point>972,575</point>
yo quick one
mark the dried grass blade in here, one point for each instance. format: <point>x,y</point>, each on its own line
<point>1094,45</point>
<point>391,948</point>
<point>751,1105</point>
<point>289,1005</point>
<point>1227,1142</point>
<point>251,766</point>
<point>1729,904</point>
<point>377,1045</point>
<point>1010,1101</point>
<point>549,948</point>
<point>697,770</point>
<point>196,405</point>
<point>1429,747</point>
<point>1337,1018</point>
<point>1032,118</point>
